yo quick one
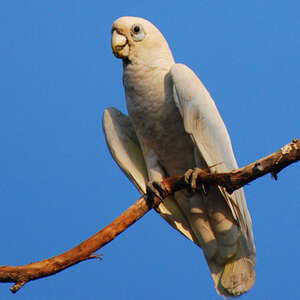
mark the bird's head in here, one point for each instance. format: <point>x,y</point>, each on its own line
<point>135,39</point>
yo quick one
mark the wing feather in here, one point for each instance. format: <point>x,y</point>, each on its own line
<point>209,134</point>
<point>125,149</point>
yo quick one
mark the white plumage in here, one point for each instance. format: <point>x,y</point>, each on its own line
<point>173,126</point>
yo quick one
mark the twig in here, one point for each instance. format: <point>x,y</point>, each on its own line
<point>272,163</point>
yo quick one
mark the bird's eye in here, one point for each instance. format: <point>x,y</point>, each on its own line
<point>136,29</point>
<point>137,32</point>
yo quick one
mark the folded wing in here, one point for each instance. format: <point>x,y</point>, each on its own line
<point>126,151</point>
<point>206,128</point>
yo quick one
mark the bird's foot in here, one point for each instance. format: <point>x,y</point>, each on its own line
<point>155,188</point>
<point>190,177</point>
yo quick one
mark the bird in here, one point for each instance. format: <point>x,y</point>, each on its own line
<point>173,127</point>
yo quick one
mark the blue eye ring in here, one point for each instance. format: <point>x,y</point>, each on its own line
<point>137,32</point>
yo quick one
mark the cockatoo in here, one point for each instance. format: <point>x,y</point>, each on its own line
<point>174,126</point>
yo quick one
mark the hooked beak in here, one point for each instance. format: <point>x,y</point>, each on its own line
<point>119,45</point>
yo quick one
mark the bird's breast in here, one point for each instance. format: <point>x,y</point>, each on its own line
<point>157,121</point>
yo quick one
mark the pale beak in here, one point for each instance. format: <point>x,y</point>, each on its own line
<point>119,45</point>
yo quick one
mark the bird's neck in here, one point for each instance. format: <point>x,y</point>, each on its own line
<point>144,89</point>
<point>140,76</point>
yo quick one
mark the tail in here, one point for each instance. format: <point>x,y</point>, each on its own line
<point>228,246</point>
<point>234,278</point>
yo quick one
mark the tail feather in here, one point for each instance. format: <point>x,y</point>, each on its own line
<point>236,276</point>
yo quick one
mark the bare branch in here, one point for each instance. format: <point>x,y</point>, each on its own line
<point>272,163</point>
<point>234,180</point>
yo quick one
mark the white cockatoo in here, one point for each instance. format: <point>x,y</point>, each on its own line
<point>173,126</point>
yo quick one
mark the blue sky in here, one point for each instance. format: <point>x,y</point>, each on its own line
<point>58,183</point>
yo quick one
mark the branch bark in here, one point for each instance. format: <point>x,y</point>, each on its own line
<point>232,181</point>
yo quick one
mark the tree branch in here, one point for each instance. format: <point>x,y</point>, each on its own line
<point>272,163</point>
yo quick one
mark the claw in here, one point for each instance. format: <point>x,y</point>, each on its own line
<point>191,177</point>
<point>157,189</point>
